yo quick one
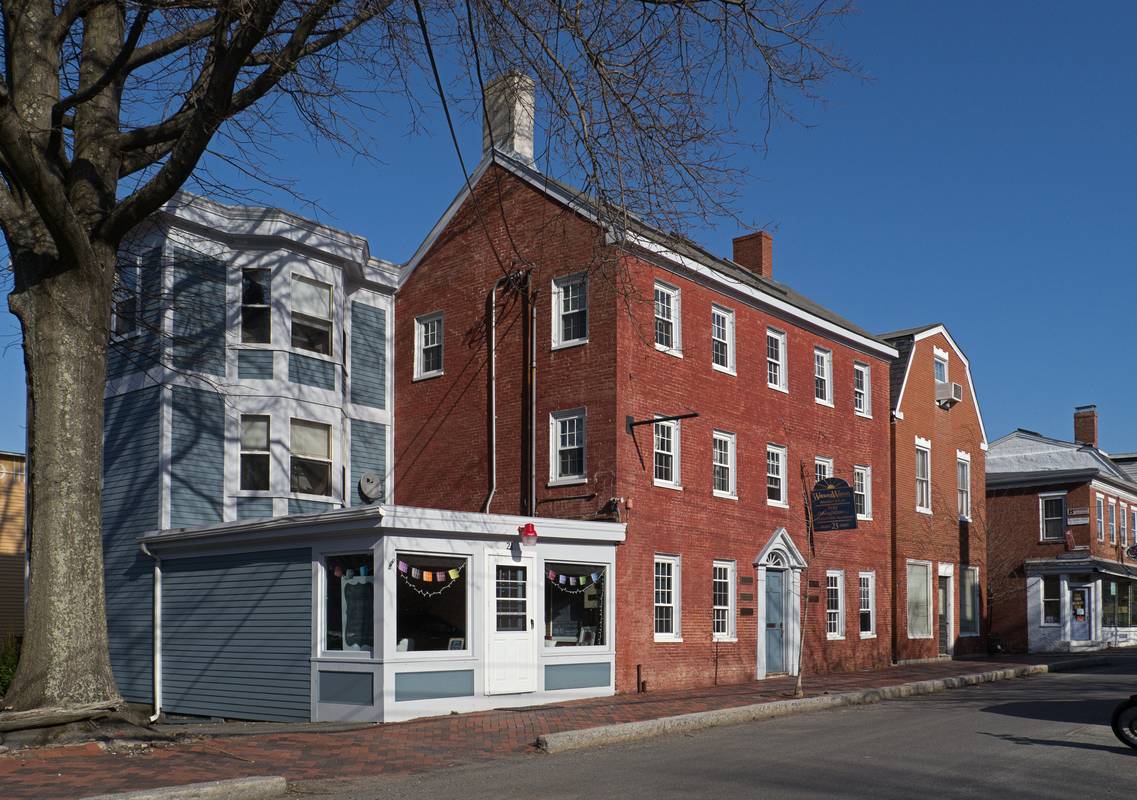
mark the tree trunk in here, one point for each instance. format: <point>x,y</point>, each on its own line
<point>63,310</point>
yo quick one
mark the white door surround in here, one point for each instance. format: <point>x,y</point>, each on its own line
<point>780,553</point>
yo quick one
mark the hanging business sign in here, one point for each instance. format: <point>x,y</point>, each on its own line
<point>832,506</point>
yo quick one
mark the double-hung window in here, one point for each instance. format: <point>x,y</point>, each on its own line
<point>776,360</point>
<point>969,602</point>
<point>126,298</point>
<point>866,609</point>
<point>1100,517</point>
<point>919,600</point>
<point>722,600</point>
<point>667,330</point>
<point>311,315</point>
<point>723,459</point>
<point>776,493</point>
<point>1112,522</point>
<point>835,604</point>
<point>940,368</point>
<point>428,345</point>
<point>570,310</point>
<point>862,491</point>
<point>862,389</point>
<point>722,339</point>
<point>665,437</point>
<point>567,430</point>
<point>923,475</point>
<point>254,453</point>
<point>1052,513</point>
<point>963,484</point>
<point>310,446</point>
<point>823,376</point>
<point>256,306</point>
<point>1051,600</point>
<point>667,598</point>
<point>822,469</point>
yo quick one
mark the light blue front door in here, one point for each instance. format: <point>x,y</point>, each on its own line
<point>775,621</point>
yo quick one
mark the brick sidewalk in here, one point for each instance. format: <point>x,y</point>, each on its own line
<point>407,747</point>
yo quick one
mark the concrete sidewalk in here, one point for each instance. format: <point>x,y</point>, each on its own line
<point>430,744</point>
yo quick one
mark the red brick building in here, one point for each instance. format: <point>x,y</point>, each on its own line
<point>1061,515</point>
<point>938,461</point>
<point>600,330</point>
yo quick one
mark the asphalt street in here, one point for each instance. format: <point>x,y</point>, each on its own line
<point>1040,737</point>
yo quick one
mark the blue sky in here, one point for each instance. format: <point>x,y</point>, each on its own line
<point>985,176</point>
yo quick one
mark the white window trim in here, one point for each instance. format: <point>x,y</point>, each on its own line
<point>964,456</point>
<point>677,479</point>
<point>828,362</point>
<point>731,365</point>
<point>1099,516</point>
<point>332,496</point>
<point>555,448</point>
<point>732,591</point>
<point>839,574</point>
<point>136,330</point>
<point>1123,533</point>
<point>557,312</point>
<point>1042,498</point>
<point>242,452</point>
<point>931,585</point>
<point>944,357</point>
<point>420,323</point>
<point>1042,603</point>
<point>732,464</point>
<point>868,489</point>
<point>784,501</point>
<point>859,366</point>
<point>1112,521</point>
<point>676,348</point>
<point>923,444</point>
<point>871,575</point>
<point>822,460</point>
<point>978,598</point>
<point>676,562</point>
<point>322,650</point>
<point>783,355</point>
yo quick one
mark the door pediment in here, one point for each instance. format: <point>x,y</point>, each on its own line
<point>780,551</point>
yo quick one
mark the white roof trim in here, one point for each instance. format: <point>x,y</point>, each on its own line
<point>966,368</point>
<point>781,540</point>
<point>650,245</point>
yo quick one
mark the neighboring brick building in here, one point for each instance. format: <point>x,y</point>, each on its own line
<point>598,327</point>
<point>1060,516</point>
<point>12,490</point>
<point>940,536</point>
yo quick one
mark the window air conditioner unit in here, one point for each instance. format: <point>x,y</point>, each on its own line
<point>948,394</point>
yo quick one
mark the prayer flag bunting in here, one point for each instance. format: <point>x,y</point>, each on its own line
<point>403,567</point>
<point>454,574</point>
<point>428,576</point>
<point>440,577</point>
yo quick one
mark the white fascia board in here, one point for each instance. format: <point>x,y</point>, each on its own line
<point>768,300</point>
<point>441,520</point>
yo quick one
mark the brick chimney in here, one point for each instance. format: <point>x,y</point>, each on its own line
<point>755,252</point>
<point>1086,425</point>
<point>510,110</point>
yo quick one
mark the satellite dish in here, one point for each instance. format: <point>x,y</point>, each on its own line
<point>370,487</point>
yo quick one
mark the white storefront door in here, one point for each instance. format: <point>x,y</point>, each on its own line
<point>1081,613</point>
<point>511,657</point>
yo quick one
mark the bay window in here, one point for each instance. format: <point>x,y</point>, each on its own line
<point>254,452</point>
<point>311,315</point>
<point>310,470</point>
<point>349,594</point>
<point>256,306</point>
<point>431,602</point>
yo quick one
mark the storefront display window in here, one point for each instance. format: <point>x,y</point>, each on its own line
<point>575,600</point>
<point>349,599</point>
<point>431,602</point>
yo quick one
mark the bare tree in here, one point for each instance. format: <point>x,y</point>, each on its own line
<point>108,108</point>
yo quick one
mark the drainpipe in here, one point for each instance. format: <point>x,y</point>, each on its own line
<point>491,391</point>
<point>156,633</point>
<point>532,396</point>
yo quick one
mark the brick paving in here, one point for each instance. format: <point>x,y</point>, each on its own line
<point>406,747</point>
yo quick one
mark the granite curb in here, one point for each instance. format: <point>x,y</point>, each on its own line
<point>256,788</point>
<point>700,720</point>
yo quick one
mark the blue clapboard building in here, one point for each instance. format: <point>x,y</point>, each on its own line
<point>255,567</point>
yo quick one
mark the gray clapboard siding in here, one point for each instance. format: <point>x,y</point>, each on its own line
<point>308,506</point>
<point>368,454</point>
<point>311,371</point>
<point>236,635</point>
<point>129,509</point>
<point>142,351</point>
<point>368,355</point>
<point>254,365</point>
<point>254,507</point>
<point>197,471</point>
<point>199,313</point>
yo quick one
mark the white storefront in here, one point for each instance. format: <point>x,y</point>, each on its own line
<point>1076,604</point>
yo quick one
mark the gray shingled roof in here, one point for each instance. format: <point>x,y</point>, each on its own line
<point>689,249</point>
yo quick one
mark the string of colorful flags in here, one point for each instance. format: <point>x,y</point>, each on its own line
<point>434,576</point>
<point>574,584</point>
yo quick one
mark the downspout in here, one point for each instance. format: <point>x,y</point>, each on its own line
<point>156,634</point>
<point>491,391</point>
<point>532,397</point>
